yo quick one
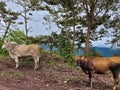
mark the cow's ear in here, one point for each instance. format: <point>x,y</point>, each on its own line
<point>82,57</point>
<point>4,41</point>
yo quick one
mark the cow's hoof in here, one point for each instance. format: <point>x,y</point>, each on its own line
<point>16,67</point>
<point>35,69</point>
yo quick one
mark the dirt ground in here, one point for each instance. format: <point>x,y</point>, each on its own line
<point>52,75</point>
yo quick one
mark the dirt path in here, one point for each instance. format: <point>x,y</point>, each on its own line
<point>53,75</point>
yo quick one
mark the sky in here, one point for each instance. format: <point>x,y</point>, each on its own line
<point>36,23</point>
<point>38,28</point>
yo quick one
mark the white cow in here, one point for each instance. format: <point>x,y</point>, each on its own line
<point>16,50</point>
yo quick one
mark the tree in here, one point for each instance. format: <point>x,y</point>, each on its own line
<point>25,13</point>
<point>17,36</point>
<point>84,15</point>
<point>95,10</point>
<point>71,18</point>
<point>87,13</point>
<point>66,17</point>
<point>115,31</point>
<point>8,18</point>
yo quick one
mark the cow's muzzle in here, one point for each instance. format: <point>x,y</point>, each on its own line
<point>3,46</point>
<point>78,68</point>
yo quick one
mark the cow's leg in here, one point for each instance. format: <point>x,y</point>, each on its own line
<point>116,79</point>
<point>37,62</point>
<point>17,62</point>
<point>36,59</point>
<point>90,79</point>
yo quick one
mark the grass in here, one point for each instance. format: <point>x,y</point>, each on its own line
<point>27,62</point>
<point>11,74</point>
<point>3,56</point>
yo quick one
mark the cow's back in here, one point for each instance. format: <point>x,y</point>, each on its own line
<point>26,50</point>
<point>100,64</point>
<point>115,59</point>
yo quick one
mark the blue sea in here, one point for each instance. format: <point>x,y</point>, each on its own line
<point>104,51</point>
<point>107,52</point>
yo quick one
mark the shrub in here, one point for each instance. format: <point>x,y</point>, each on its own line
<point>93,52</point>
<point>2,51</point>
<point>66,51</point>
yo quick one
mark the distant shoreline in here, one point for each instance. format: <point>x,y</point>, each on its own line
<point>104,51</point>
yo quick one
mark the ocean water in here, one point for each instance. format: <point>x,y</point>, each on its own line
<point>104,51</point>
<point>107,52</point>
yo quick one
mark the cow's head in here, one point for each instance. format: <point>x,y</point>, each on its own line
<point>5,44</point>
<point>80,60</point>
<point>8,44</point>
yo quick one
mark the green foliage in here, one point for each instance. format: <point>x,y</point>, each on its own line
<point>93,52</point>
<point>26,14</point>
<point>76,13</point>
<point>34,2</point>
<point>2,51</point>
<point>17,36</point>
<point>65,50</point>
<point>115,33</point>
<point>8,18</point>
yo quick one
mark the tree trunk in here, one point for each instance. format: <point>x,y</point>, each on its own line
<point>86,51</point>
<point>26,29</point>
<point>7,30</point>
<point>73,43</point>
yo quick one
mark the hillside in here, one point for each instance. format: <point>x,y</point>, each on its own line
<point>53,74</point>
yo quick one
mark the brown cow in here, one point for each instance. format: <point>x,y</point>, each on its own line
<point>99,65</point>
<point>16,51</point>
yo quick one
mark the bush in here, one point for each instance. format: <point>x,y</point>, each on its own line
<point>93,52</point>
<point>66,51</point>
<point>2,51</point>
<point>17,36</point>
